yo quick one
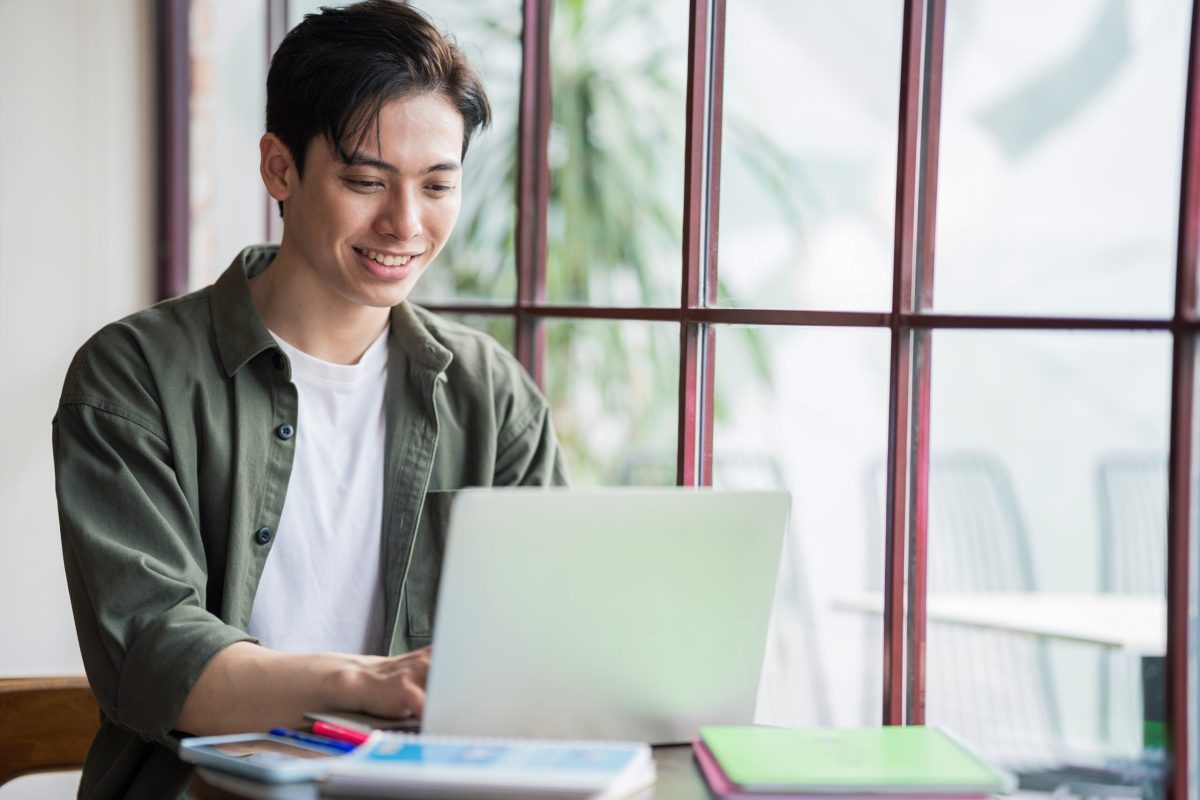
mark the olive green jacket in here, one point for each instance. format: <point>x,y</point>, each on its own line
<point>171,467</point>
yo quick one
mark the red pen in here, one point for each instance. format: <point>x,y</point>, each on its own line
<point>339,732</point>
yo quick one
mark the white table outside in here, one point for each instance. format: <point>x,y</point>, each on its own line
<point>1137,623</point>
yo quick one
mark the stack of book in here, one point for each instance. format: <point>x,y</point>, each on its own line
<point>763,763</point>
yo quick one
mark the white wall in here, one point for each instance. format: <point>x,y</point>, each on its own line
<point>76,251</point>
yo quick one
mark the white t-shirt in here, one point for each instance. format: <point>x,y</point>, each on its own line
<point>322,585</point>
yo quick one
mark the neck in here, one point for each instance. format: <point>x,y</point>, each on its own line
<point>309,316</point>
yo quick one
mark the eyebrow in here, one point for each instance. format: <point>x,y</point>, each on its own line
<point>360,160</point>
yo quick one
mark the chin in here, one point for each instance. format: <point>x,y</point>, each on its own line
<point>384,298</point>
<point>380,294</point>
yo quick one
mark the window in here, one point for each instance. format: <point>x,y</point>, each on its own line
<point>919,263</point>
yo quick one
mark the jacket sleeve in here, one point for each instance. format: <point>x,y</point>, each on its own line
<point>135,564</point>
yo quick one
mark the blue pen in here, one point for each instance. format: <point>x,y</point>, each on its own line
<point>313,739</point>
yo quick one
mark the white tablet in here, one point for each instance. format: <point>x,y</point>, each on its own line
<point>261,756</point>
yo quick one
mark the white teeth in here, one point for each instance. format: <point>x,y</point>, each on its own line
<point>386,260</point>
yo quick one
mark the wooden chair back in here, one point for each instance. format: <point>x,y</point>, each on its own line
<point>46,724</point>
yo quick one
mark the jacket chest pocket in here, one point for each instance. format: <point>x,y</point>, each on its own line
<point>425,566</point>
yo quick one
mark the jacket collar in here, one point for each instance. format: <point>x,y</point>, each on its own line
<point>409,331</point>
<point>241,333</point>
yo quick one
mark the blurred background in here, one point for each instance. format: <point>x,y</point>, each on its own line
<point>1058,196</point>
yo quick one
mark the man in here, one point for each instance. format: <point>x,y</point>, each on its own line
<point>254,479</point>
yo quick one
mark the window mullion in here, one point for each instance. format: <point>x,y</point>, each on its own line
<point>1178,707</point>
<point>697,358</point>
<point>908,405</point>
<point>922,343</point>
<point>278,16</point>
<point>533,184</point>
<point>899,384</point>
<point>173,147</point>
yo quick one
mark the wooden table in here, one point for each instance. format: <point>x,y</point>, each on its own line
<point>678,779</point>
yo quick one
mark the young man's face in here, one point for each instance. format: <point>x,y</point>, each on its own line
<point>366,231</point>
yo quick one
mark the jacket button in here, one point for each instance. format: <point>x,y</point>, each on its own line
<point>262,535</point>
<point>285,431</point>
<point>277,359</point>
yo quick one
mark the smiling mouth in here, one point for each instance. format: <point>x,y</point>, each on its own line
<point>384,259</point>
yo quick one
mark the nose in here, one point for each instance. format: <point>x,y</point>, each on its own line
<point>401,218</point>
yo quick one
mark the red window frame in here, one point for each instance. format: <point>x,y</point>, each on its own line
<point>909,322</point>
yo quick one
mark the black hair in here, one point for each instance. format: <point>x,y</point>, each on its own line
<point>336,70</point>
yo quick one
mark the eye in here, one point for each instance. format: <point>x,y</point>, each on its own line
<point>440,188</point>
<point>363,183</point>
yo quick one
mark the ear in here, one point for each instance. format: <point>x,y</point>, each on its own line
<point>277,168</point>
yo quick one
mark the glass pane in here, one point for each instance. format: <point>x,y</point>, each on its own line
<point>499,327</point>
<point>619,72</point>
<point>808,154</point>
<point>1059,168</point>
<point>613,390</point>
<point>1047,521</point>
<point>228,204</point>
<point>479,262</point>
<point>806,410</point>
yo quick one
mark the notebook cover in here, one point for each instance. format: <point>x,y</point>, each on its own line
<point>468,765</point>
<point>721,786</point>
<point>860,761</point>
<point>719,783</point>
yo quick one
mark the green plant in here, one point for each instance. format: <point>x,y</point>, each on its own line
<point>614,232</point>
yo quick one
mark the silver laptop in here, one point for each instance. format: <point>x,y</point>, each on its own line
<point>635,614</point>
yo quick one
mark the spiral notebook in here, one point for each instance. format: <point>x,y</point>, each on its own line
<point>415,765</point>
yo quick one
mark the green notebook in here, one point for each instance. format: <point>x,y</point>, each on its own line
<point>888,760</point>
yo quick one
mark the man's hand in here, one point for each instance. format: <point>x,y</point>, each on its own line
<point>387,687</point>
<point>247,687</point>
